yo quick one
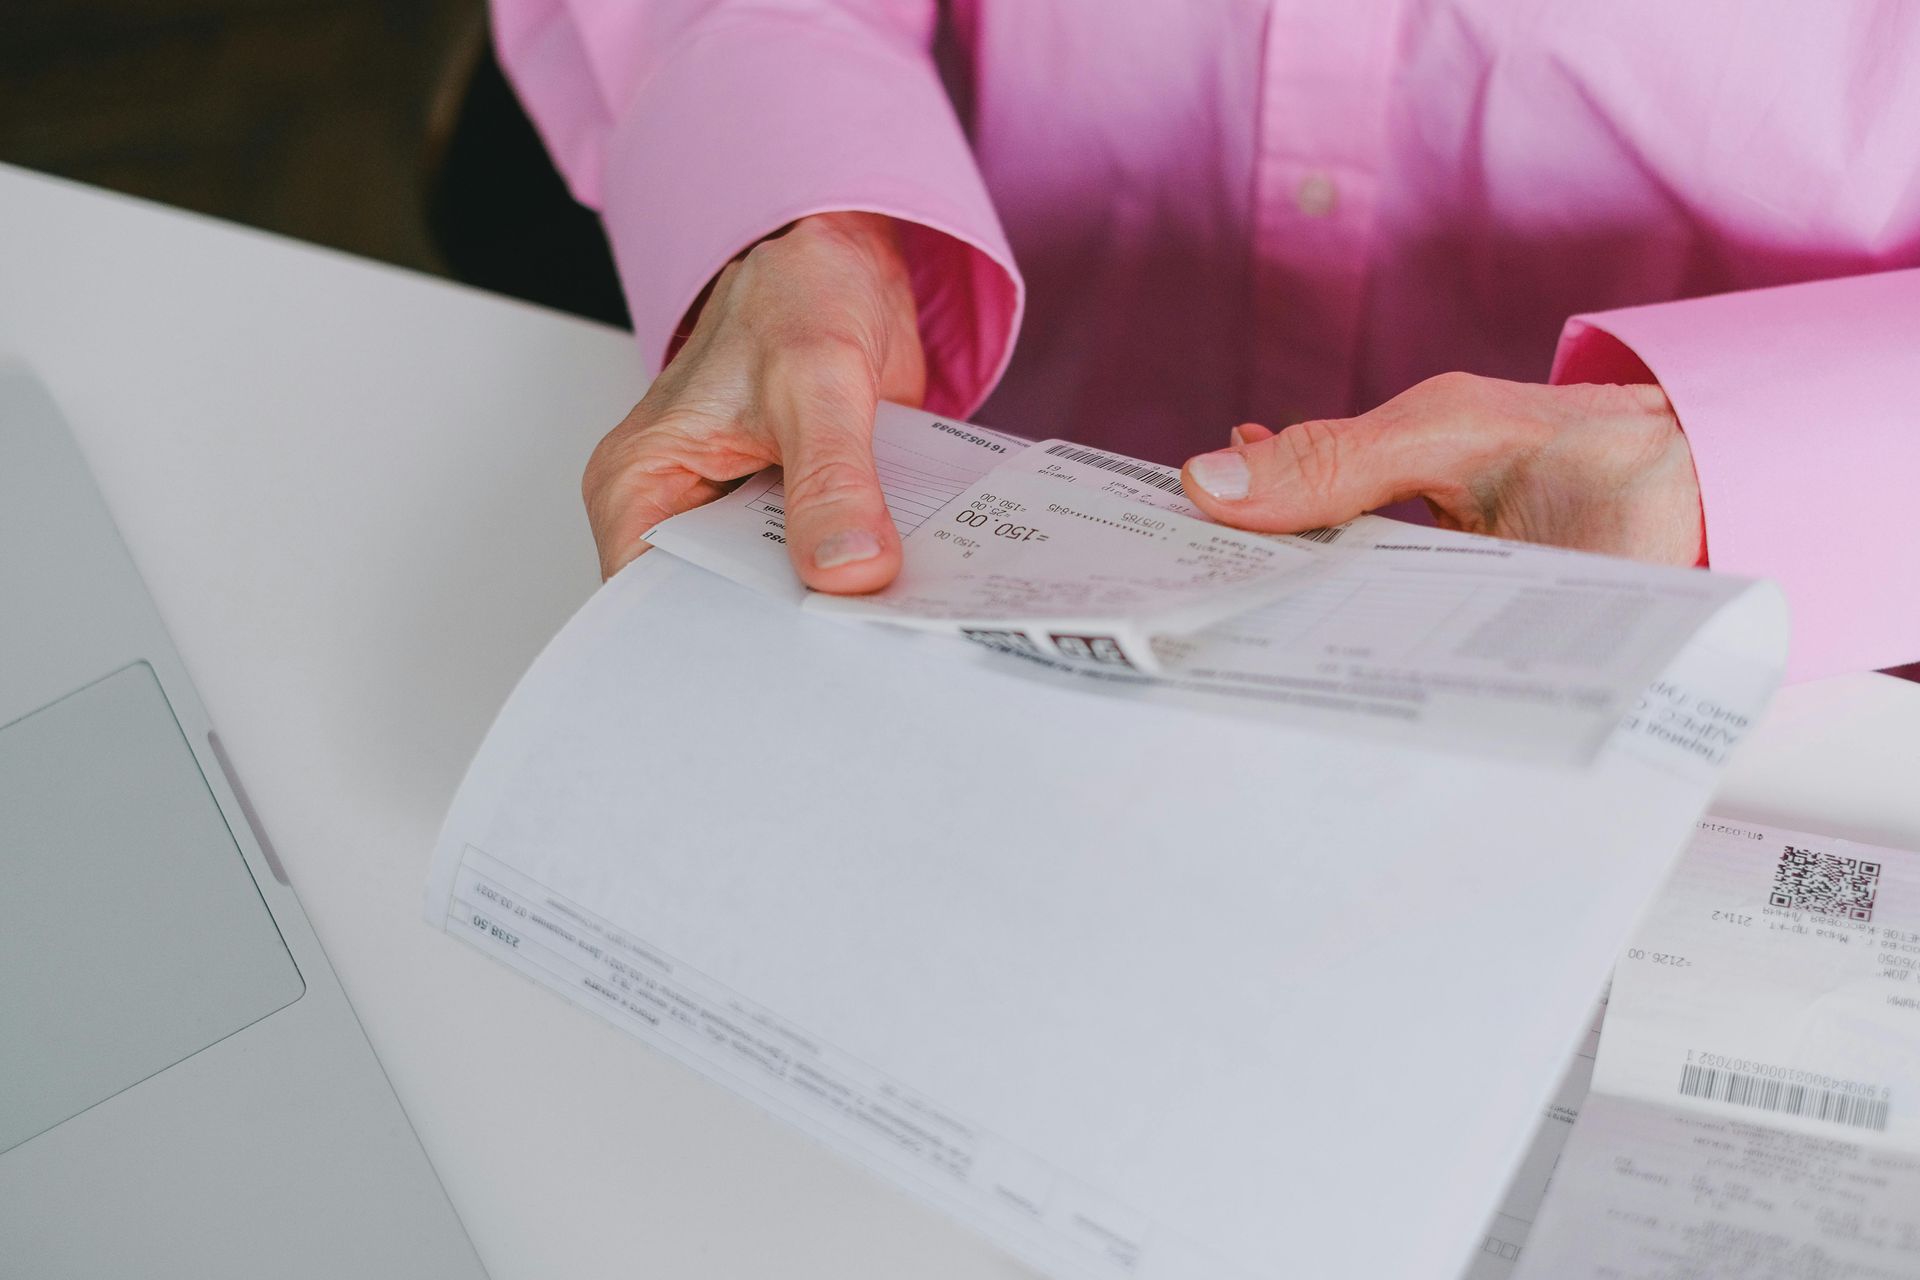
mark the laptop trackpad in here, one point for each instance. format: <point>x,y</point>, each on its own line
<point>134,935</point>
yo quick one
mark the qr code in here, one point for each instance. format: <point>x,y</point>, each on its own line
<point>1825,882</point>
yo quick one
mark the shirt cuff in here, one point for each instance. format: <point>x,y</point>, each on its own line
<point>1796,402</point>
<point>752,125</point>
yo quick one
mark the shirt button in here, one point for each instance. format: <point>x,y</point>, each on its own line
<point>1315,195</point>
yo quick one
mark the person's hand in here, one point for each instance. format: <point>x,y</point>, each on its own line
<point>1598,468</point>
<point>798,342</point>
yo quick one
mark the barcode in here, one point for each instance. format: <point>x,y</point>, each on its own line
<point>1155,476</point>
<point>1744,1090</point>
<point>1326,533</point>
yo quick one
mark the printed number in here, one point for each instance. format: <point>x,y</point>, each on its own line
<point>973,519</point>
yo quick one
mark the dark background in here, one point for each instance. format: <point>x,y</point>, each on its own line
<point>380,127</point>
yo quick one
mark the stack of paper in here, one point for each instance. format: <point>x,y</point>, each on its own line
<point>1149,941</point>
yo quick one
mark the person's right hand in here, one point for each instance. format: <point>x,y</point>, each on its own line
<point>798,342</point>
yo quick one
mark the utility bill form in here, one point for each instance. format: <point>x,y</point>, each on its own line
<point>1095,566</point>
<point>1149,937</point>
<point>1753,1107</point>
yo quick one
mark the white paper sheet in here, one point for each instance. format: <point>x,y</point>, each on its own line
<point>1756,1100</point>
<point>1135,990</point>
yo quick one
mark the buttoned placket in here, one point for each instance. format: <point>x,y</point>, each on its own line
<point>1320,143</point>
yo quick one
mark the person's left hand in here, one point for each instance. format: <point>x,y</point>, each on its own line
<point>1594,467</point>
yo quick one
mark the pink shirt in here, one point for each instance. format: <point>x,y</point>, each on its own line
<point>1211,211</point>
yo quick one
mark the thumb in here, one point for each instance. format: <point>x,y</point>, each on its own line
<point>839,532</point>
<point>1309,475</point>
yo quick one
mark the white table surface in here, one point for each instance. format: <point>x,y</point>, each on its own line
<point>354,492</point>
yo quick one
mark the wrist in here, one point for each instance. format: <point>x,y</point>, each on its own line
<point>873,238</point>
<point>875,234</point>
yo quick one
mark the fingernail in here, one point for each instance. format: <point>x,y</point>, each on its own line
<point>849,546</point>
<point>1223,474</point>
<point>1235,436</point>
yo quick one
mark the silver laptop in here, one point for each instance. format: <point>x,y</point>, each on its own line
<point>184,1090</point>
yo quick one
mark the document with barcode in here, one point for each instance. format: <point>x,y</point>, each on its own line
<point>1755,1102</point>
<point>1149,940</point>
<point>1095,568</point>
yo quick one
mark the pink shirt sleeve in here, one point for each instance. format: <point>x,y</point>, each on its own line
<point>1802,406</point>
<point>698,127</point>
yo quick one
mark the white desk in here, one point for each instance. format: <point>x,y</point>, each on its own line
<point>353,491</point>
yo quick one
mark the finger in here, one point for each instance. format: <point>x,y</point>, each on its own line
<point>839,532</point>
<point>655,464</point>
<point>1249,433</point>
<point>624,502</point>
<point>1309,475</point>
